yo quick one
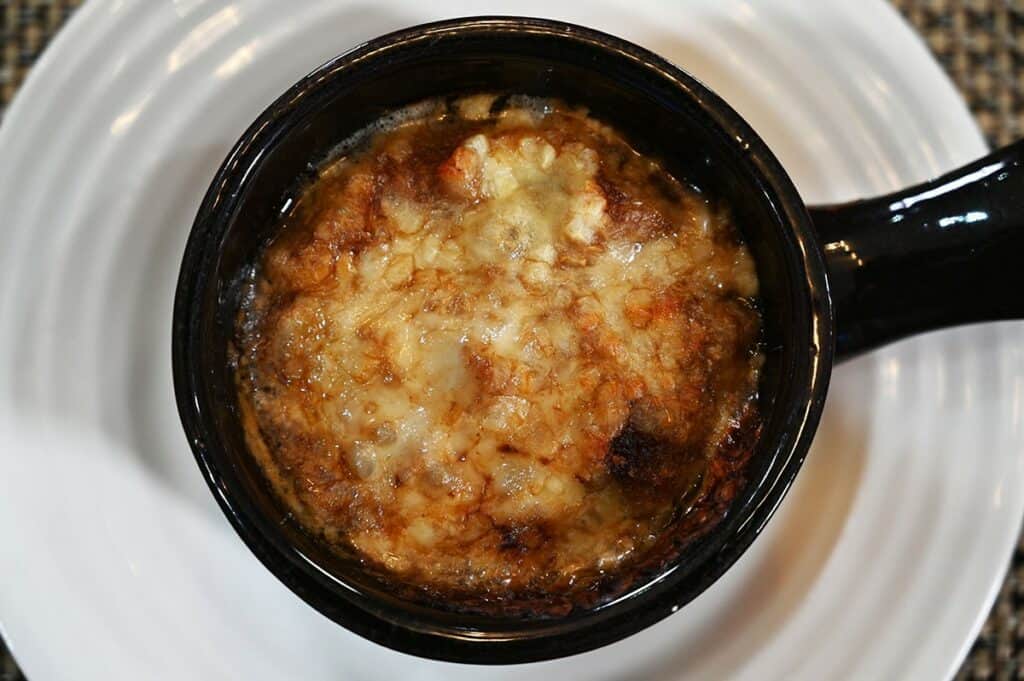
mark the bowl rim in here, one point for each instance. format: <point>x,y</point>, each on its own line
<point>306,578</point>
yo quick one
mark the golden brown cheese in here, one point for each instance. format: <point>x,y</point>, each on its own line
<point>499,355</point>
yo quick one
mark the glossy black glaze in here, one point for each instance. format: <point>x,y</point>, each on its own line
<point>938,254</point>
<point>941,253</point>
<point>665,112</point>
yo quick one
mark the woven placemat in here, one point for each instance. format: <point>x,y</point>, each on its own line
<point>981,45</point>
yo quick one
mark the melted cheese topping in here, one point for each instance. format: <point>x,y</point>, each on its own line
<point>495,355</point>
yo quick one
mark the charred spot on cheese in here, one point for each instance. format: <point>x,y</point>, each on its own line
<point>501,357</point>
<point>641,460</point>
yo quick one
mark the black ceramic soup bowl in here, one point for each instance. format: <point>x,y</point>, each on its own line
<point>834,281</point>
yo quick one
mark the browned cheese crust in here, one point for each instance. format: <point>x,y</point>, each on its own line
<point>500,356</point>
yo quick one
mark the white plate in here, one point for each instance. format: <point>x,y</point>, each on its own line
<point>115,562</point>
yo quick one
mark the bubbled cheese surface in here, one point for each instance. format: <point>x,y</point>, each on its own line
<point>498,354</point>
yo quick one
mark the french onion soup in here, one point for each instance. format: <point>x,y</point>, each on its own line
<point>500,357</point>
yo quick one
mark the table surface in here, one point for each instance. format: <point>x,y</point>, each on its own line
<point>980,43</point>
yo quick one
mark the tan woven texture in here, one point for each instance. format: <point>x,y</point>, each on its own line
<point>981,45</point>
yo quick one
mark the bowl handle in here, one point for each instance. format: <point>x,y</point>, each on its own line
<point>946,252</point>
